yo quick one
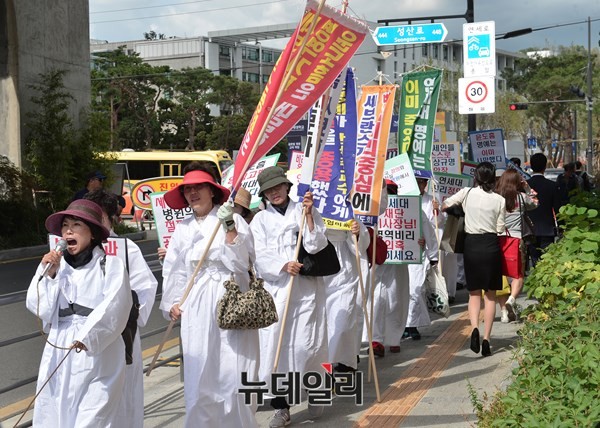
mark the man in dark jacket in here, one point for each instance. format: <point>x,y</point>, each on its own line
<point>543,216</point>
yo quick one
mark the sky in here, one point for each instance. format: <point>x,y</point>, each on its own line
<point>121,20</point>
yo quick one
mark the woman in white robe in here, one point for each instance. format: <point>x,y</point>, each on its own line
<point>84,302</point>
<point>275,232</point>
<point>342,290</point>
<point>214,359</point>
<point>144,283</point>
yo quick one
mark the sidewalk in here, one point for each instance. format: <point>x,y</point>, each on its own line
<point>425,385</point>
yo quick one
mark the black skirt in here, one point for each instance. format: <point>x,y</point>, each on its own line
<point>483,262</point>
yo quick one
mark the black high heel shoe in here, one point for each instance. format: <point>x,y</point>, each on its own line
<point>485,348</point>
<point>475,347</point>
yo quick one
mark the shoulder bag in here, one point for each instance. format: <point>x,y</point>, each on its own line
<point>453,238</point>
<point>323,263</point>
<point>527,226</point>
<point>512,259</point>
<point>243,311</point>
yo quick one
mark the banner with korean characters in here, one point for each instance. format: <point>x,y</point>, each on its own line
<point>114,246</point>
<point>400,228</point>
<point>166,218</point>
<point>375,109</point>
<point>468,168</point>
<point>296,159</point>
<point>416,122</point>
<point>399,170</point>
<point>445,157</point>
<point>250,182</point>
<point>488,146</point>
<point>446,185</point>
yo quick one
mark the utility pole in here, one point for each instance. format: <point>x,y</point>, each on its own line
<point>589,104</point>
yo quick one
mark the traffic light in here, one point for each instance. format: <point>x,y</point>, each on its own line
<point>518,106</point>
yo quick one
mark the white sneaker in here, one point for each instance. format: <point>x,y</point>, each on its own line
<point>280,419</point>
<point>510,307</point>
<point>504,317</point>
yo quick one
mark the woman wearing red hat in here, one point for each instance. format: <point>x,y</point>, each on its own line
<point>84,300</point>
<point>214,359</point>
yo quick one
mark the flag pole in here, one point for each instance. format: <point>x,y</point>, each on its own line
<point>366,314</point>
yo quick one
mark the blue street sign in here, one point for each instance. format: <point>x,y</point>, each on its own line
<point>409,34</point>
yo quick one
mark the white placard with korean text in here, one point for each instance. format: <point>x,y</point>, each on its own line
<point>446,185</point>
<point>250,182</point>
<point>400,228</point>
<point>399,170</point>
<point>488,146</point>
<point>166,218</point>
<point>445,157</point>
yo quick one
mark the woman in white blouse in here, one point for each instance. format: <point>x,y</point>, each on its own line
<point>484,220</point>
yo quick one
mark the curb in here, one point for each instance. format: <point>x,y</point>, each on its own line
<point>39,250</point>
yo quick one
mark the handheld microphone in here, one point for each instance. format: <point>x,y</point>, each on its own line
<point>60,247</point>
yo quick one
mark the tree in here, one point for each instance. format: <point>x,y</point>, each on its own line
<point>549,79</point>
<point>128,90</point>
<point>56,155</point>
<point>186,111</point>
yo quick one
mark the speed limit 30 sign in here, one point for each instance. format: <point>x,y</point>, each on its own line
<point>477,95</point>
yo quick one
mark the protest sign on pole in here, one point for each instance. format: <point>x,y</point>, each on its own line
<point>399,170</point>
<point>250,180</point>
<point>446,185</point>
<point>290,92</point>
<point>400,228</point>
<point>331,180</point>
<point>166,218</point>
<point>416,123</point>
<point>468,168</point>
<point>375,109</point>
<point>488,146</point>
<point>445,157</point>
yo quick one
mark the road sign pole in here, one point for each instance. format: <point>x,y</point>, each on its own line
<point>471,118</point>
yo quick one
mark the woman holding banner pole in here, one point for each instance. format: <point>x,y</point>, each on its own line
<point>214,358</point>
<point>275,232</point>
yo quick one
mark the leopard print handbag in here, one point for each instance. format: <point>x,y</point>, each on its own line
<point>250,310</point>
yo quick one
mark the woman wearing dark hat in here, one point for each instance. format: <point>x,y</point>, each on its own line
<point>275,231</point>
<point>84,302</point>
<point>484,220</point>
<point>214,359</point>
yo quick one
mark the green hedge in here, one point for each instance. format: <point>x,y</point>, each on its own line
<point>557,381</point>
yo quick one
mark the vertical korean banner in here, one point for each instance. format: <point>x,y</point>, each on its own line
<point>375,109</point>
<point>400,228</point>
<point>416,123</point>
<point>333,175</point>
<point>317,63</point>
<point>166,218</point>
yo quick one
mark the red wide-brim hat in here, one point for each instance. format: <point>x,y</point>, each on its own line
<point>175,199</point>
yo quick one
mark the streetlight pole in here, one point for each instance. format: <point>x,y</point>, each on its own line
<point>589,103</point>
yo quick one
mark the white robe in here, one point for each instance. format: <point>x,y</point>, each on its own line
<point>143,282</point>
<point>304,346</point>
<point>86,390</point>
<point>390,303</point>
<point>418,315</point>
<point>342,289</point>
<point>214,359</point>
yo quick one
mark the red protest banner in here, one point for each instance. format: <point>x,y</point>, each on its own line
<point>312,59</point>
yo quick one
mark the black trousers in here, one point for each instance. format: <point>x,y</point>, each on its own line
<point>536,249</point>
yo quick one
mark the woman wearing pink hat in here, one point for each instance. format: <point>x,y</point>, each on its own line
<point>84,300</point>
<point>214,359</point>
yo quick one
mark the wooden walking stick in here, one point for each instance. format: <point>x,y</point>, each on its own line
<point>366,314</point>
<point>287,302</point>
<point>372,295</point>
